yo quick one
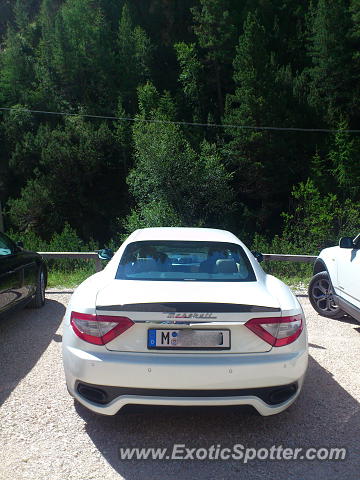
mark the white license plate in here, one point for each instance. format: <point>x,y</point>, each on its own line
<point>188,339</point>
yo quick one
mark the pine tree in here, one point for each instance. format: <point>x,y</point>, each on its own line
<point>190,77</point>
<point>17,69</point>
<point>215,35</point>
<point>263,97</point>
<point>21,15</point>
<point>17,58</point>
<point>345,159</point>
<point>46,94</point>
<point>82,55</point>
<point>133,58</point>
<point>330,51</point>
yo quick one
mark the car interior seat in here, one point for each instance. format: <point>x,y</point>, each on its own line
<point>227,265</point>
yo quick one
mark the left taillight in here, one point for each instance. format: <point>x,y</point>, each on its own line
<point>99,329</point>
<point>277,331</point>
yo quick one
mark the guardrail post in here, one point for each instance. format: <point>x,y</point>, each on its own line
<point>98,266</point>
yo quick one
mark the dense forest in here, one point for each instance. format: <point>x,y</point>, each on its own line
<point>185,87</point>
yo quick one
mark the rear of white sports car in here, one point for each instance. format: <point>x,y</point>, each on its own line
<point>184,317</point>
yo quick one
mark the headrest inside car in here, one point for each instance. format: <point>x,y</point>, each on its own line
<point>227,265</point>
<point>145,265</point>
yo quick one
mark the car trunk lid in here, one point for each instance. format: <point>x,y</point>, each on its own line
<point>198,307</point>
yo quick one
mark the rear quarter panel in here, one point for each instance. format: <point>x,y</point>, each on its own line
<point>288,302</point>
<point>84,297</point>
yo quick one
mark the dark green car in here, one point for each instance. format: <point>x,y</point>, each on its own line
<point>23,277</point>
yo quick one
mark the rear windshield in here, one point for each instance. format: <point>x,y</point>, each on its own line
<point>185,261</point>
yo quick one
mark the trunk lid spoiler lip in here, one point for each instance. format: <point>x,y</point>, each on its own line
<point>188,310</point>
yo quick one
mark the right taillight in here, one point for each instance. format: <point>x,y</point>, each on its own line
<point>277,331</point>
<point>99,329</point>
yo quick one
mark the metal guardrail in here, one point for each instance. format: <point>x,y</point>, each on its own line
<point>289,258</point>
<point>98,266</point>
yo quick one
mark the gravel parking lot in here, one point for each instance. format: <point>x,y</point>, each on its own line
<point>45,436</point>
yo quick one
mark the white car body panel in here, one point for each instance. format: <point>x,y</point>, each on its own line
<point>174,371</point>
<point>328,257</point>
<point>127,362</point>
<point>348,274</point>
<point>343,267</point>
<point>131,291</point>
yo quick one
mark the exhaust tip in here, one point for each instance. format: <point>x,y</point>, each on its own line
<point>93,394</point>
<point>280,395</point>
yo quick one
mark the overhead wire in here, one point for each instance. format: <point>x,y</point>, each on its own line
<point>193,124</point>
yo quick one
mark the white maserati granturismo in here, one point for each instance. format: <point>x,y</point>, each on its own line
<point>184,316</point>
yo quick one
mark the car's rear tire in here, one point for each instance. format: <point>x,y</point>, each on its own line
<point>321,296</point>
<point>39,298</point>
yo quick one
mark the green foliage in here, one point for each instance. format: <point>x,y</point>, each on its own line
<point>16,68</point>
<point>191,68</point>
<point>312,220</point>
<point>320,171</point>
<point>81,53</point>
<point>289,272</point>
<point>133,57</point>
<point>213,27</point>
<point>252,73</point>
<point>73,160</point>
<point>261,159</point>
<point>215,35</point>
<point>30,210</point>
<point>155,213</point>
<point>21,15</point>
<point>345,159</point>
<point>340,166</point>
<point>65,241</point>
<point>331,73</point>
<point>318,220</point>
<point>60,278</point>
<point>170,171</point>
<point>30,239</point>
<point>278,63</point>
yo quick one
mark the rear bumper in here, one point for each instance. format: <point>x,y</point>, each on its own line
<point>258,403</point>
<point>221,379</point>
<point>112,398</point>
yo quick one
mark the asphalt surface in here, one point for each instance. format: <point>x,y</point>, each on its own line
<point>44,435</point>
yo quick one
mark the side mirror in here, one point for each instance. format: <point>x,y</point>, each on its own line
<point>346,242</point>
<point>259,256</point>
<point>105,254</point>
<point>20,245</point>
